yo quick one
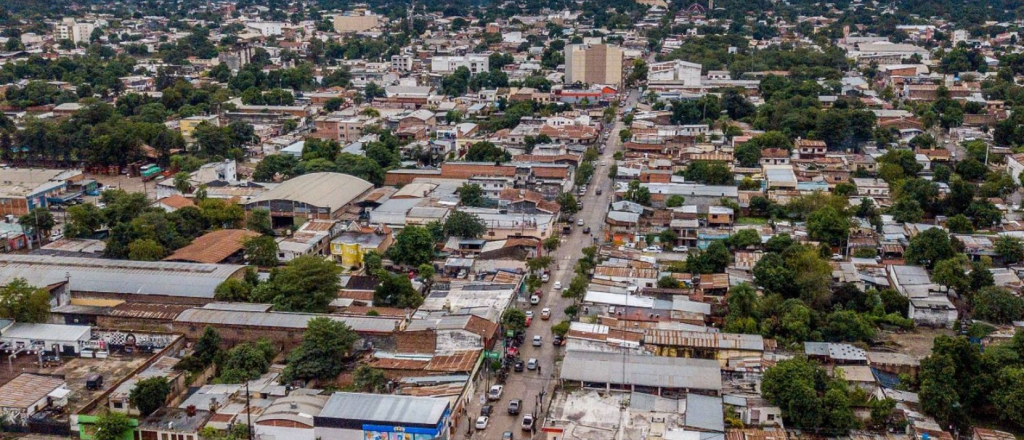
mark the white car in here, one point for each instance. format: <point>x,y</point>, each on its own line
<point>558,285</point>
<point>531,364</point>
<point>481,422</point>
<point>681,249</point>
<point>579,222</point>
<point>653,249</point>
<point>529,313</point>
<point>545,278</point>
<point>537,340</point>
<point>545,313</point>
<point>534,300</point>
<point>495,392</point>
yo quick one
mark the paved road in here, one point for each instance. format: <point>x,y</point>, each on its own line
<point>528,385</point>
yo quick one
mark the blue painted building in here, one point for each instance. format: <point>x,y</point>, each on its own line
<point>357,416</point>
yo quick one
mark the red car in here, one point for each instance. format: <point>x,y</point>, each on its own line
<point>529,321</point>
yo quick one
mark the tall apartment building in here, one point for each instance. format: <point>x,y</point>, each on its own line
<point>357,21</point>
<point>593,64</point>
<point>69,29</point>
<point>402,62</point>
<point>476,63</point>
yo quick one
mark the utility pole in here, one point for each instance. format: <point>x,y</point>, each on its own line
<point>248,411</point>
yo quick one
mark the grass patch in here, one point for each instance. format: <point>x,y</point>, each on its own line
<point>752,221</point>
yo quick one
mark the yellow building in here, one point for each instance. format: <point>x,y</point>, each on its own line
<point>188,125</point>
<point>349,247</point>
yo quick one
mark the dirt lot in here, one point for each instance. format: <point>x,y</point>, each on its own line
<point>130,184</point>
<point>916,343</point>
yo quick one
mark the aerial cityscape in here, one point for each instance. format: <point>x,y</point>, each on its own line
<point>512,219</point>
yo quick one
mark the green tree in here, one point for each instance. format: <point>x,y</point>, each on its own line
<point>638,194</point>
<point>247,361</point>
<point>743,302</point>
<point>324,343</point>
<point>150,394</point>
<point>929,247</point>
<point>259,221</point>
<point>1007,397</point>
<point>960,224</point>
<point>1011,249</point>
<point>808,398</point>
<point>470,194</point>
<point>950,273</point>
<point>306,284</point>
<point>567,203</point>
<point>38,222</point>
<point>828,225</point>
<point>24,303</point>
<point>112,426</point>
<point>425,271</point>
<point>907,210</point>
<point>486,152</point>
<point>997,305</point>
<point>261,251</point>
<point>182,182</point>
<point>367,379</point>
<point>674,201</point>
<point>413,246</point>
<point>146,249</point>
<point>847,326</point>
<point>395,290</point>
<point>233,289</point>
<point>373,262</point>
<point>83,220</point>
<point>744,239</point>
<point>709,173</point>
<point>207,346</point>
<point>551,243</point>
<point>513,319</point>
<point>464,224</point>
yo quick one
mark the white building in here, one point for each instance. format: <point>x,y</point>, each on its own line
<point>476,63</point>
<point>1015,166</point>
<point>69,29</point>
<point>268,28</point>
<point>934,311</point>
<point>676,72</point>
<point>402,62</point>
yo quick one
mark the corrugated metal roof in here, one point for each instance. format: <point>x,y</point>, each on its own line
<point>27,389</point>
<point>385,408</point>
<point>651,371</point>
<point>47,332</point>
<point>720,341</point>
<point>331,190</point>
<point>704,412</point>
<point>282,320</point>
<point>118,276</point>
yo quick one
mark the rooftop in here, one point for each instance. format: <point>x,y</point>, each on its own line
<point>385,408</point>
<point>650,371</point>
<point>330,190</point>
<point>213,247</point>
<point>26,389</point>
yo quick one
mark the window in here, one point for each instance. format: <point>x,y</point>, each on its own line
<point>164,436</point>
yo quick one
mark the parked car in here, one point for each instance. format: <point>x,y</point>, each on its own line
<point>653,249</point>
<point>529,320</point>
<point>507,435</point>
<point>680,249</point>
<point>534,300</point>
<point>545,278</point>
<point>486,410</point>
<point>545,314</point>
<point>529,313</point>
<point>481,422</point>
<point>514,406</point>
<point>579,222</point>
<point>537,340</point>
<point>495,392</point>
<point>527,422</point>
<point>518,366</point>
<point>558,285</point>
<point>557,341</point>
<point>531,364</point>
<point>598,191</point>
<point>586,230</point>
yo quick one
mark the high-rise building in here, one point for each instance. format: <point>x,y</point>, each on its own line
<point>593,64</point>
<point>69,29</point>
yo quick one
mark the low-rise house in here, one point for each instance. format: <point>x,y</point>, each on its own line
<point>27,394</point>
<point>933,311</point>
<point>652,374</point>
<point>355,415</point>
<point>290,417</point>
<point>173,424</point>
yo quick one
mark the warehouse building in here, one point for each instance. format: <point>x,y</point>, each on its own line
<point>648,374</point>
<point>371,416</point>
<point>100,282</point>
<point>325,196</point>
